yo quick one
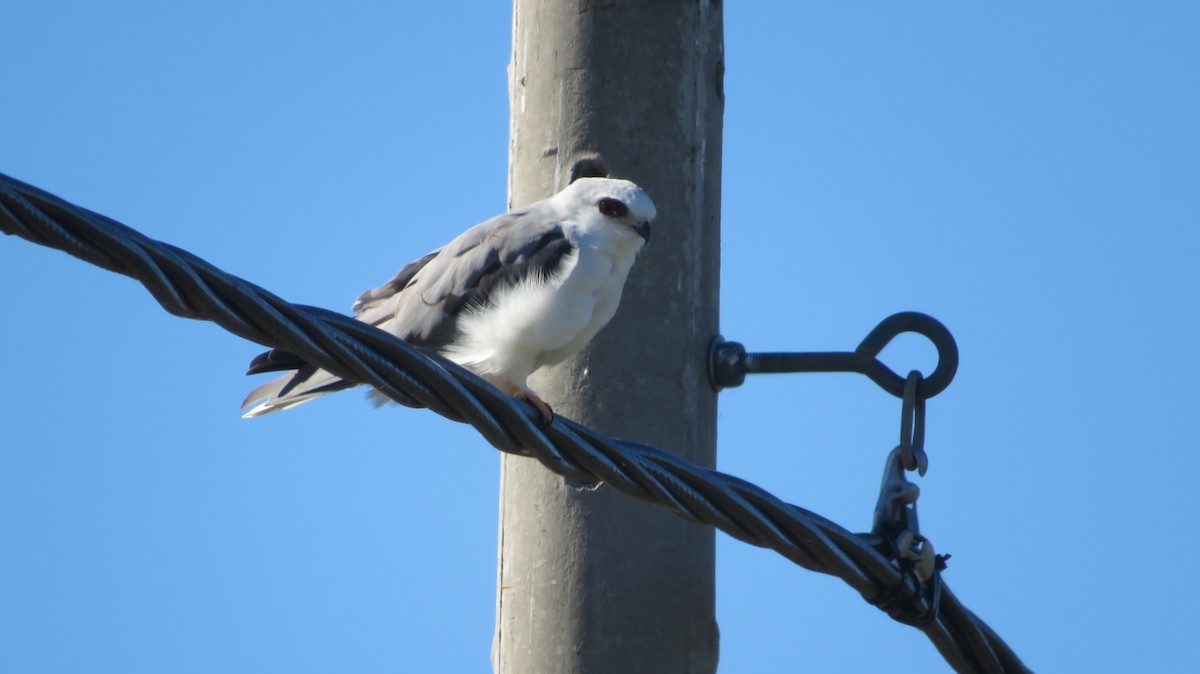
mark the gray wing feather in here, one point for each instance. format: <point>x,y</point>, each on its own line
<point>422,303</point>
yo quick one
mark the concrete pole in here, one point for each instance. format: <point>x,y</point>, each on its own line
<point>591,580</point>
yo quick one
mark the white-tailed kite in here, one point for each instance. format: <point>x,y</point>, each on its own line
<point>510,295</point>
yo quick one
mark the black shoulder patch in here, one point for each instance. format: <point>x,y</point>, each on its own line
<point>542,259</point>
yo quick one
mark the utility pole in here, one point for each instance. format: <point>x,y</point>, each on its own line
<point>591,580</point>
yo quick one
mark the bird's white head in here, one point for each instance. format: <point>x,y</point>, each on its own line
<point>611,205</point>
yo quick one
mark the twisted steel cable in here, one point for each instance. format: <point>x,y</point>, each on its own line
<point>187,286</point>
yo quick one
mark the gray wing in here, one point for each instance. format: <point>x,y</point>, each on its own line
<point>423,302</point>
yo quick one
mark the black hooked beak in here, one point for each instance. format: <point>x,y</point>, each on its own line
<point>643,230</point>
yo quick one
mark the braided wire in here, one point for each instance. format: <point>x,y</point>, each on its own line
<point>190,287</point>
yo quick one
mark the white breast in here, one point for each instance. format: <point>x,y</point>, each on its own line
<point>542,322</point>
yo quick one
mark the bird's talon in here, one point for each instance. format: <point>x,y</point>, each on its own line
<point>543,408</point>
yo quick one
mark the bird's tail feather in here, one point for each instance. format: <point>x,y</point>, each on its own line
<point>296,387</point>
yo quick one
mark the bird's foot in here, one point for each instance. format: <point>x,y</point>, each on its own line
<point>542,406</point>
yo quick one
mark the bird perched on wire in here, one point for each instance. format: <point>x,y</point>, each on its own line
<point>510,295</point>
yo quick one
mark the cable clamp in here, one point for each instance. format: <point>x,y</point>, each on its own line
<point>895,519</point>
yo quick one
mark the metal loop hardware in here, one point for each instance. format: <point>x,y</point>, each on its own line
<point>729,363</point>
<point>895,532</point>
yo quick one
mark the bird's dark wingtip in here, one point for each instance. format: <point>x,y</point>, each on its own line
<point>274,360</point>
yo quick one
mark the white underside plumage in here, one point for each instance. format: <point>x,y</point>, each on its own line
<point>540,322</point>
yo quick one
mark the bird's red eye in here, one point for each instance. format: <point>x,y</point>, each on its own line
<point>612,208</point>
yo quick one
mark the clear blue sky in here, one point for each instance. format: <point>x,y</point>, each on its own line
<point>1027,172</point>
